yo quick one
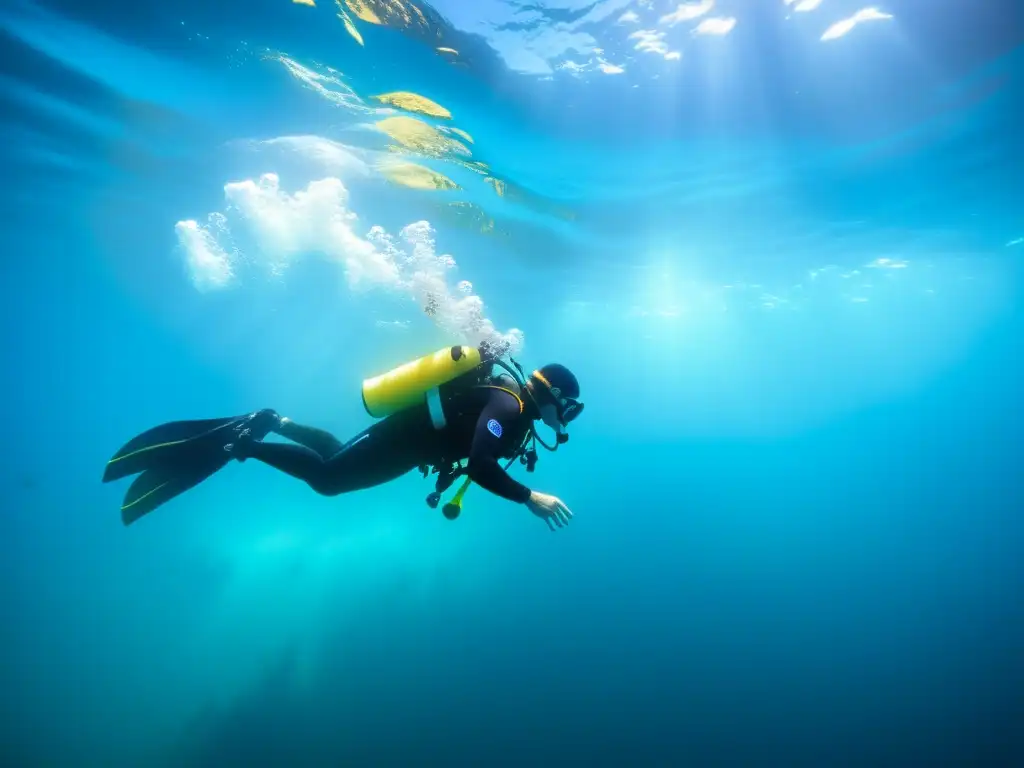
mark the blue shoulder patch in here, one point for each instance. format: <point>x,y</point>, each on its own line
<point>494,427</point>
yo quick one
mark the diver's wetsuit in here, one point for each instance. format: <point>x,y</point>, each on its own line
<point>484,424</point>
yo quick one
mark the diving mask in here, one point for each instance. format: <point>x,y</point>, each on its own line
<point>558,412</point>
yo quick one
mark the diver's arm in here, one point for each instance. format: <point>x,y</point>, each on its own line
<point>500,414</point>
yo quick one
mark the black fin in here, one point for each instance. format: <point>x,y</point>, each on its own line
<point>178,456</point>
<point>155,487</point>
<point>156,446</point>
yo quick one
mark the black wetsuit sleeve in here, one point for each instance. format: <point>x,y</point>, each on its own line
<point>494,429</point>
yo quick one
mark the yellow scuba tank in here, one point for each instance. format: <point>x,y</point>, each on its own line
<point>414,382</point>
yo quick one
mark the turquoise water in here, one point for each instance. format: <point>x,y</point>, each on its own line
<point>779,243</point>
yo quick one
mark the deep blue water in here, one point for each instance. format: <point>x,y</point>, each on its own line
<point>784,261</point>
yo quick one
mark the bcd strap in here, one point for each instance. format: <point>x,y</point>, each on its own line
<point>435,408</point>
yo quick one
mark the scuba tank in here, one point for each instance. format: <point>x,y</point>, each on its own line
<point>416,381</point>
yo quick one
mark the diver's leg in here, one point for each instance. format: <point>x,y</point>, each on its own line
<point>384,452</point>
<point>319,440</point>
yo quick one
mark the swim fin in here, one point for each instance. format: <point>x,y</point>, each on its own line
<point>177,456</point>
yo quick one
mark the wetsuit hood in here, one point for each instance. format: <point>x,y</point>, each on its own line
<point>559,388</point>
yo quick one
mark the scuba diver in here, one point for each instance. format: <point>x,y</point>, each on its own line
<point>435,412</point>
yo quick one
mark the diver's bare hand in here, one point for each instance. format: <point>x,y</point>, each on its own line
<point>550,509</point>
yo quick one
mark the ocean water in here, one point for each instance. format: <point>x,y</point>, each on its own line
<point>780,243</point>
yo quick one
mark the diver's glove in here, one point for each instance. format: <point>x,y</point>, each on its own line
<point>550,509</point>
